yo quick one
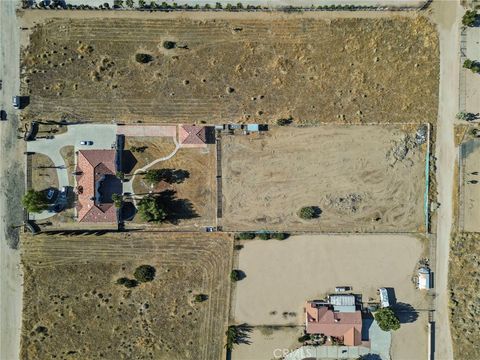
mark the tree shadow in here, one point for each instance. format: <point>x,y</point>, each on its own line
<point>176,209</point>
<point>243,334</point>
<point>128,211</point>
<point>316,212</point>
<point>406,313</point>
<point>391,295</point>
<point>370,357</point>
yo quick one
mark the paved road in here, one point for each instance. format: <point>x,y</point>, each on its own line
<point>103,136</point>
<point>11,187</point>
<point>447,15</point>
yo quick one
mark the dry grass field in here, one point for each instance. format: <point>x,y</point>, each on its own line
<point>363,179</point>
<point>73,308</point>
<point>44,174</point>
<point>464,279</point>
<point>252,68</point>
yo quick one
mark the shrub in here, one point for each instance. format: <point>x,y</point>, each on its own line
<point>117,200</point>
<point>169,44</point>
<point>143,58</point>
<point>264,236</point>
<point>386,319</point>
<point>128,283</point>
<point>120,175</point>
<point>307,212</point>
<point>144,273</point>
<point>235,275</point>
<point>304,338</point>
<point>246,236</point>
<point>284,122</point>
<point>200,298</point>
<point>469,18</point>
<point>238,247</point>
<point>280,236</point>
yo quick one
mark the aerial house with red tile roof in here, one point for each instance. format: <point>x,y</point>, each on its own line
<point>96,182</point>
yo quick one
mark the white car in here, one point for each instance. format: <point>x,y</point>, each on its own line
<point>86,142</point>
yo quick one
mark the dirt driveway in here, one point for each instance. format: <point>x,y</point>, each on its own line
<point>363,179</point>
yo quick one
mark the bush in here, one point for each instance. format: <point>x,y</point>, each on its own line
<point>304,338</point>
<point>169,44</point>
<point>235,275</point>
<point>264,236</point>
<point>280,236</point>
<point>35,201</point>
<point>284,122</point>
<point>246,236</point>
<point>200,298</point>
<point>144,273</point>
<point>117,200</point>
<point>386,319</point>
<point>143,58</point>
<point>150,209</point>
<point>307,212</point>
<point>469,18</point>
<point>128,283</point>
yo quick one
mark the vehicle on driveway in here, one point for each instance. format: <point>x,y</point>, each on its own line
<point>3,115</point>
<point>50,194</point>
<point>16,102</point>
<point>86,142</point>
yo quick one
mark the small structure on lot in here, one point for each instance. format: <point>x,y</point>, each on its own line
<point>96,182</point>
<point>424,278</point>
<point>322,319</point>
<point>194,135</point>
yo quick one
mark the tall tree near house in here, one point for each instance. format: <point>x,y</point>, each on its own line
<point>35,201</point>
<point>129,3</point>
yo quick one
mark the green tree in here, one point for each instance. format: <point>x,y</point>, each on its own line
<point>307,212</point>
<point>120,175</point>
<point>141,4</point>
<point>218,5</point>
<point>154,176</point>
<point>117,200</point>
<point>246,236</point>
<point>150,209</point>
<point>35,201</point>
<point>304,338</point>
<point>128,283</point>
<point>143,58</point>
<point>129,3</point>
<point>386,319</point>
<point>144,273</point>
<point>466,116</point>
<point>469,18</point>
<point>200,298</point>
<point>167,44</point>
<point>280,236</point>
<point>235,275</point>
<point>264,236</point>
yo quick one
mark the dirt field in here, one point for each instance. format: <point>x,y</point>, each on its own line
<point>349,172</point>
<point>282,275</point>
<point>74,309</point>
<point>43,176</point>
<point>464,275</point>
<point>470,189</point>
<point>232,67</point>
<point>194,199</point>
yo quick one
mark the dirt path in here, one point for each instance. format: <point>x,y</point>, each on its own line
<point>447,15</point>
<point>11,183</point>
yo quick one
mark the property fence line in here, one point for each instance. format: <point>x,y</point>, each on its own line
<point>218,145</point>
<point>427,183</point>
<point>461,188</point>
<point>462,86</point>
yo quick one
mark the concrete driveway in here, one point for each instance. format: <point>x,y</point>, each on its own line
<point>103,137</point>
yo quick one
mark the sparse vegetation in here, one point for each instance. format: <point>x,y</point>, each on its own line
<point>246,236</point>
<point>473,66</point>
<point>235,275</point>
<point>35,201</point>
<point>169,44</point>
<point>264,236</point>
<point>150,209</point>
<point>198,298</point>
<point>143,58</point>
<point>144,273</point>
<point>386,319</point>
<point>466,116</point>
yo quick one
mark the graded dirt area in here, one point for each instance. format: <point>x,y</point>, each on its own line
<point>281,275</point>
<point>74,309</point>
<point>44,173</point>
<point>250,67</point>
<point>470,186</point>
<point>363,179</point>
<point>464,277</point>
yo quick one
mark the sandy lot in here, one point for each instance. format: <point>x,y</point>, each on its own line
<point>470,192</point>
<point>277,65</point>
<point>74,309</point>
<point>350,172</point>
<point>282,275</point>
<point>463,277</point>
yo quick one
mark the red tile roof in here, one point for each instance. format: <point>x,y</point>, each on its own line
<point>91,166</point>
<point>192,134</point>
<point>321,319</point>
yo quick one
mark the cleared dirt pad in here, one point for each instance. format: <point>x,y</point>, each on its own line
<point>350,172</point>
<point>73,306</point>
<point>464,275</point>
<point>256,68</point>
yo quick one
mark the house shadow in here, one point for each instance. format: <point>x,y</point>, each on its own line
<point>128,161</point>
<point>367,321</point>
<point>406,313</point>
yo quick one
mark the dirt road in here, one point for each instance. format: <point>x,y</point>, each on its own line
<point>447,16</point>
<point>11,180</point>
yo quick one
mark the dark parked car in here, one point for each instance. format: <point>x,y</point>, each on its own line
<point>3,115</point>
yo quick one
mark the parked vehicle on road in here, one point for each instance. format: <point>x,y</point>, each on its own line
<point>16,102</point>
<point>86,142</point>
<point>3,115</point>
